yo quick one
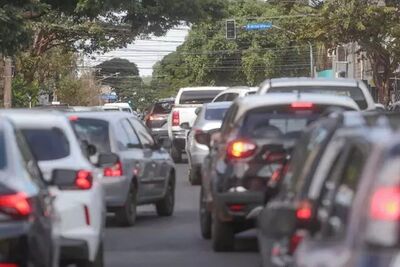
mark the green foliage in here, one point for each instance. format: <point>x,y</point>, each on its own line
<point>24,92</point>
<point>208,58</point>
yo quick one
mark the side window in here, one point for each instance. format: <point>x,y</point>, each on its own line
<point>144,135</point>
<point>132,136</point>
<point>228,120</point>
<point>221,98</point>
<point>29,160</point>
<point>231,97</point>
<point>121,136</point>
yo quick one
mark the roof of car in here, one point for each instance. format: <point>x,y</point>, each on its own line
<point>204,88</point>
<point>224,104</point>
<point>37,117</point>
<point>108,116</point>
<point>304,81</point>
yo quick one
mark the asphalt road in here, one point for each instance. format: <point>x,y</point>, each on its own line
<point>174,241</point>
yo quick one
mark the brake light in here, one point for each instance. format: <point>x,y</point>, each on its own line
<point>240,149</point>
<point>15,205</point>
<point>304,211</point>
<point>8,265</point>
<point>175,118</point>
<point>84,180</point>
<point>114,171</point>
<point>385,204</point>
<point>71,118</point>
<point>302,105</point>
<point>236,207</point>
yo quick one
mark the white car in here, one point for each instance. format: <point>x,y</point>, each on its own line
<point>232,93</point>
<point>125,107</point>
<point>354,89</point>
<point>81,208</point>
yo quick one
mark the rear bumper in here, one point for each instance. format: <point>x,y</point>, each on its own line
<point>74,249</point>
<point>250,201</point>
<point>116,190</point>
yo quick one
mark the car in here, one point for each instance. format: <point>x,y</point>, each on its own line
<point>125,107</point>
<point>232,93</point>
<point>209,118</point>
<point>156,120</point>
<point>256,130</point>
<point>187,101</point>
<point>144,174</point>
<point>81,207</point>
<point>28,235</point>
<point>357,90</point>
<point>356,220</point>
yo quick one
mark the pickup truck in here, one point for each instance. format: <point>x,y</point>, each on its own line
<point>183,115</point>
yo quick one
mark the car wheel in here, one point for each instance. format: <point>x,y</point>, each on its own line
<point>98,261</point>
<point>165,207</point>
<point>176,154</point>
<point>223,236</point>
<point>126,215</point>
<point>205,217</point>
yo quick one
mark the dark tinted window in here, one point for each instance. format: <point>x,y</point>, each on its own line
<point>353,92</point>
<point>47,144</point>
<point>198,96</point>
<point>3,158</point>
<point>215,114</point>
<point>231,96</point>
<point>96,132</point>
<point>162,108</point>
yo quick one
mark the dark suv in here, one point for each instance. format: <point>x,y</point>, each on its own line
<point>156,119</point>
<point>243,158</point>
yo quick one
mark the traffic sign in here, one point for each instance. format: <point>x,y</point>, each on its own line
<point>258,26</point>
<point>109,96</point>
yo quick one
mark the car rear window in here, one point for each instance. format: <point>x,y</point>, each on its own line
<point>3,158</point>
<point>95,132</point>
<point>198,96</point>
<point>215,114</point>
<point>162,108</point>
<point>353,92</point>
<point>47,144</point>
<point>279,122</point>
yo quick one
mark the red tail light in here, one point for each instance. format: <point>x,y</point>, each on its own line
<point>304,211</point>
<point>8,265</point>
<point>385,204</point>
<point>240,149</point>
<point>84,180</point>
<point>175,118</point>
<point>302,105</point>
<point>114,171</point>
<point>236,207</point>
<point>71,118</point>
<point>15,205</point>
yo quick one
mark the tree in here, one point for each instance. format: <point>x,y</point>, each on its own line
<point>375,28</point>
<point>121,75</point>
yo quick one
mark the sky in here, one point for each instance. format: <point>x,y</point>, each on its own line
<point>145,53</point>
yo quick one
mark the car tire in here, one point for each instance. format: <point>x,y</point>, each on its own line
<point>176,155</point>
<point>98,261</point>
<point>126,215</point>
<point>194,176</point>
<point>223,235</point>
<point>165,207</point>
<point>205,217</point>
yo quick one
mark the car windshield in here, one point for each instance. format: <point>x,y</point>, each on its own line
<point>47,144</point>
<point>162,108</point>
<point>3,155</point>
<point>95,132</point>
<point>215,114</point>
<point>353,92</point>
<point>198,96</point>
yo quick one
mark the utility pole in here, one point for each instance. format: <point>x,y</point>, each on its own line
<point>7,82</point>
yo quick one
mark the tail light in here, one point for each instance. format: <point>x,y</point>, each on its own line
<point>8,265</point>
<point>302,105</point>
<point>84,180</point>
<point>304,211</point>
<point>236,207</point>
<point>240,149</point>
<point>114,171</point>
<point>175,118</point>
<point>15,205</point>
<point>385,204</point>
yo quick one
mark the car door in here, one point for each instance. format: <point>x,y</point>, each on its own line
<point>152,153</point>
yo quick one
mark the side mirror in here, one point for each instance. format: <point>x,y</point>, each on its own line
<point>107,160</point>
<point>197,110</point>
<point>185,126</point>
<point>63,179</point>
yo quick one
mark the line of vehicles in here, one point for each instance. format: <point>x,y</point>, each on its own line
<point>312,164</point>
<point>63,173</point>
